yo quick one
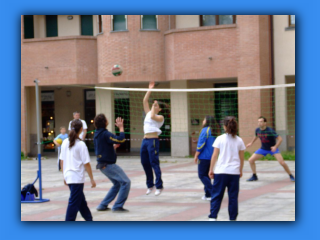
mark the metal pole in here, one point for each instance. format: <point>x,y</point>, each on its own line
<point>38,138</point>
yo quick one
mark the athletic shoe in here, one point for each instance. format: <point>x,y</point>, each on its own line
<point>212,219</point>
<point>149,191</point>
<point>158,192</point>
<point>253,178</point>
<point>120,210</point>
<point>102,208</point>
<point>292,178</point>
<point>206,198</point>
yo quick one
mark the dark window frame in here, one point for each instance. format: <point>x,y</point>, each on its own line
<point>217,20</point>
<point>86,31</point>
<point>47,31</point>
<point>27,34</point>
<point>100,23</point>
<point>122,30</point>
<point>141,23</point>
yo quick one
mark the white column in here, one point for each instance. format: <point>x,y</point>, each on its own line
<point>105,105</point>
<point>180,139</point>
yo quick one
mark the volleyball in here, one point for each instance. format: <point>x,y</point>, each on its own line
<point>59,140</point>
<point>117,70</point>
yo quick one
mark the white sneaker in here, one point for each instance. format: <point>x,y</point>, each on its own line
<point>206,198</point>
<point>149,191</point>
<point>212,219</point>
<point>158,192</point>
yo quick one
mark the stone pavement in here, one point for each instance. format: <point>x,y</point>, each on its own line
<point>272,198</point>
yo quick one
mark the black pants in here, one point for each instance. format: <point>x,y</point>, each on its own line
<point>221,181</point>
<point>77,202</point>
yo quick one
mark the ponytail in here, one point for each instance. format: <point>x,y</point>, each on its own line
<point>76,125</point>
<point>231,124</point>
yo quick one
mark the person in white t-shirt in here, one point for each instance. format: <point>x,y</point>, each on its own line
<point>149,151</point>
<point>82,136</point>
<point>227,161</point>
<point>75,160</point>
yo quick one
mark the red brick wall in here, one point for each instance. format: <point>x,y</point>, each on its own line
<point>188,52</point>
<point>140,53</point>
<point>254,70</point>
<point>70,60</point>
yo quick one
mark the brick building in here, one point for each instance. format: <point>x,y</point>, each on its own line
<point>70,55</point>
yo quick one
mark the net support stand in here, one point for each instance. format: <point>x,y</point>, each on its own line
<point>40,199</point>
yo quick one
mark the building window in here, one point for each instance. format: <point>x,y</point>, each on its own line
<point>86,25</point>
<point>212,20</point>
<point>28,26</point>
<point>292,20</point>
<point>119,22</point>
<point>100,23</point>
<point>149,22</point>
<point>52,25</point>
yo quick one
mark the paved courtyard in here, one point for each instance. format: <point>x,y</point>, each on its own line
<point>272,198</point>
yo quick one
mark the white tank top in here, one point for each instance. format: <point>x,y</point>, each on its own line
<point>150,125</point>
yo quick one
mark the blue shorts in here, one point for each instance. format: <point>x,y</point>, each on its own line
<point>265,152</point>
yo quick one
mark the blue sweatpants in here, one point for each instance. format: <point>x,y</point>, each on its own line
<point>203,173</point>
<point>149,153</point>
<point>77,202</point>
<point>221,181</point>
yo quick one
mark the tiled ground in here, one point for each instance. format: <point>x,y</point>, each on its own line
<point>272,198</point>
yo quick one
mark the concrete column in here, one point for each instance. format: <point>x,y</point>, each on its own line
<point>281,116</point>
<point>179,121</point>
<point>105,104</point>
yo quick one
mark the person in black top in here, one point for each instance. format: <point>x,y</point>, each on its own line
<point>270,141</point>
<point>105,144</point>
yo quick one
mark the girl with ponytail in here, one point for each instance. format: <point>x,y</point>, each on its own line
<point>228,156</point>
<point>74,160</point>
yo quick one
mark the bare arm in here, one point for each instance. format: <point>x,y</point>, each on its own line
<point>146,99</point>
<point>253,140</point>
<point>61,166</point>
<point>241,155</point>
<point>279,141</point>
<point>56,143</point>
<point>87,166</point>
<point>214,159</point>
<point>84,134</point>
<point>158,118</point>
<point>196,155</point>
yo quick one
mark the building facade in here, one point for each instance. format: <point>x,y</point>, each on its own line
<point>72,54</point>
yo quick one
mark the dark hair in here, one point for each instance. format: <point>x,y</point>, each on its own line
<point>76,125</point>
<point>100,121</point>
<point>161,104</point>
<point>264,119</point>
<point>231,124</point>
<point>212,123</point>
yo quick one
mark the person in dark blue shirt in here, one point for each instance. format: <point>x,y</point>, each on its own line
<point>105,143</point>
<point>270,141</point>
<point>204,152</point>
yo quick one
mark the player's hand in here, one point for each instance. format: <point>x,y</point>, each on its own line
<point>211,175</point>
<point>93,183</point>
<point>195,160</point>
<point>240,174</point>
<point>65,182</point>
<point>273,149</point>
<point>115,146</point>
<point>151,85</point>
<point>249,145</point>
<point>119,122</point>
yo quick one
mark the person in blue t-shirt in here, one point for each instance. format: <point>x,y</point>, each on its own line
<point>63,135</point>
<point>204,152</point>
<point>270,141</point>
